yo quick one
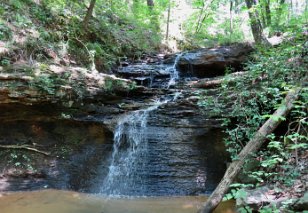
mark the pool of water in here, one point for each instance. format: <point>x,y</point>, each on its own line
<point>56,201</point>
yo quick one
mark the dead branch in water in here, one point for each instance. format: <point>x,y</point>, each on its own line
<point>24,147</point>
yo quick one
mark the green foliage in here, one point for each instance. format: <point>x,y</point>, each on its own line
<point>46,83</point>
<point>5,32</point>
<point>272,72</point>
<point>212,104</point>
<point>16,4</point>
<point>112,84</point>
<point>237,191</point>
<point>219,22</point>
<point>21,160</point>
<point>115,30</point>
<point>269,209</point>
<point>5,61</point>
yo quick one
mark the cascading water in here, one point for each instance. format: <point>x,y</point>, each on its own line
<point>129,152</point>
<point>134,167</point>
<point>174,74</point>
<point>130,148</point>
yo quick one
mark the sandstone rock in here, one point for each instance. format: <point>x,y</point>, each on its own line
<point>145,74</point>
<point>211,62</point>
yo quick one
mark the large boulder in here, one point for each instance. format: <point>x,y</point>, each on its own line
<point>211,62</point>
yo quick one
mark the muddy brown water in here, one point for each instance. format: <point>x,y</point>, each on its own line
<point>57,201</point>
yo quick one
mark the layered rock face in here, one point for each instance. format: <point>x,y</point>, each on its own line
<point>72,112</point>
<point>212,62</point>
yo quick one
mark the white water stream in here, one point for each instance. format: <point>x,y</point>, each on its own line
<point>129,152</point>
<point>174,73</point>
<point>130,147</point>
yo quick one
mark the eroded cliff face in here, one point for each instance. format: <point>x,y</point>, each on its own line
<point>70,113</point>
<point>41,83</point>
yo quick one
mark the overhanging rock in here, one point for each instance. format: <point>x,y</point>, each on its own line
<point>212,62</point>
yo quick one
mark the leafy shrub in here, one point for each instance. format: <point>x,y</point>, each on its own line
<point>5,32</point>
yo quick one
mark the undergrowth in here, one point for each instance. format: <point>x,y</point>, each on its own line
<point>272,72</point>
<point>57,25</point>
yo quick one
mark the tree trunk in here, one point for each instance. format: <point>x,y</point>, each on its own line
<point>205,84</point>
<point>231,18</point>
<point>279,12</point>
<point>168,20</point>
<point>153,16</point>
<point>199,18</point>
<point>150,4</point>
<point>89,14</point>
<point>255,24</point>
<point>203,15</point>
<point>268,13</point>
<point>251,147</point>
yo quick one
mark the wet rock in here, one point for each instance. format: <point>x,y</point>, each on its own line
<point>169,59</point>
<point>211,62</point>
<point>263,196</point>
<point>302,203</point>
<point>146,74</point>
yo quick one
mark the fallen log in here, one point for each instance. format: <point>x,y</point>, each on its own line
<point>206,83</point>
<point>251,147</point>
<point>24,147</point>
<point>17,77</point>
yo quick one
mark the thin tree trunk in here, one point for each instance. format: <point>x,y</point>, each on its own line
<point>268,13</point>
<point>153,16</point>
<point>168,20</point>
<point>231,18</point>
<point>89,14</point>
<point>252,146</point>
<point>279,11</point>
<point>255,24</point>
<point>201,19</point>
<point>290,11</point>
<point>150,4</point>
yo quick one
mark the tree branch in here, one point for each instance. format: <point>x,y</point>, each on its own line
<point>24,147</point>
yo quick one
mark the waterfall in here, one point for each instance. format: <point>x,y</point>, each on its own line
<point>174,74</point>
<point>130,148</point>
<point>129,153</point>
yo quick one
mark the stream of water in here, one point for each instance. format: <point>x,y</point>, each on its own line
<point>130,150</point>
<point>174,73</point>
